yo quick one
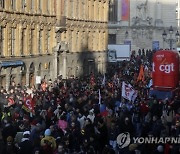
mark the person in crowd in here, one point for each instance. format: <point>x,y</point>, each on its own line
<point>48,143</point>
<point>86,114</point>
<point>25,146</point>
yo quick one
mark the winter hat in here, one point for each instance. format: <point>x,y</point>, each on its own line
<point>9,139</point>
<point>160,148</point>
<point>26,133</point>
<point>47,132</point>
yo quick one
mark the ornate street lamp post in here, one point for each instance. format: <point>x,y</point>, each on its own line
<point>170,40</point>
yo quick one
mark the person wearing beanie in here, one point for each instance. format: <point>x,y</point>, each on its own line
<point>159,150</point>
<point>9,148</point>
<point>48,143</point>
<point>25,146</point>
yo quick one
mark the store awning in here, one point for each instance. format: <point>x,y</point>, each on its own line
<point>11,63</point>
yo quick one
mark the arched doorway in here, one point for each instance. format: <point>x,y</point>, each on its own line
<point>31,75</point>
<point>23,75</point>
<point>91,66</point>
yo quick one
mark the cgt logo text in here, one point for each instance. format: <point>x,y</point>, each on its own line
<point>166,68</point>
<point>123,140</point>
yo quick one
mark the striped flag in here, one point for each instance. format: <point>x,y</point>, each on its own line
<point>128,92</point>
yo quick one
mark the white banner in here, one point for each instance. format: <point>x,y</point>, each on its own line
<point>38,79</point>
<point>128,92</point>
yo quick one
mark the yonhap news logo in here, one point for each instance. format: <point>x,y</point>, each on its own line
<point>124,139</point>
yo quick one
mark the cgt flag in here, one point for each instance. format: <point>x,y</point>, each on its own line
<point>29,104</point>
<point>128,92</point>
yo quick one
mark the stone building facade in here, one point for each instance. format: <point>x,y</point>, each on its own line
<point>141,23</point>
<point>82,37</point>
<point>48,38</point>
<point>27,38</point>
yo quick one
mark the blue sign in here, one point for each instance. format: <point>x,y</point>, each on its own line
<point>11,63</point>
<point>127,42</point>
<point>155,45</point>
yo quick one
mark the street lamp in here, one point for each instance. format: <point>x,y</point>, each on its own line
<point>170,40</point>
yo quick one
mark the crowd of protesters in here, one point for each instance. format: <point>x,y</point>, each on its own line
<point>68,116</point>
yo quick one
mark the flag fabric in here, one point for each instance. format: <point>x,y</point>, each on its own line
<point>104,80</point>
<point>10,101</point>
<point>128,92</point>
<point>150,84</point>
<point>134,96</point>
<point>125,10</point>
<point>102,107</point>
<point>29,104</point>
<point>141,74</point>
<point>99,92</point>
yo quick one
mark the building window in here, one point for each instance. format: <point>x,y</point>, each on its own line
<point>23,41</point>
<point>13,4</point>
<point>48,6</point>
<point>112,39</point>
<point>32,5</point>
<point>113,11</point>
<point>2,4</point>
<point>13,39</point>
<point>1,40</point>
<point>40,6</point>
<point>31,41</point>
<point>23,4</point>
<point>48,41</point>
<point>40,42</point>
<point>72,8</point>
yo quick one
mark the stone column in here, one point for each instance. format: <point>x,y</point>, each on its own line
<point>94,40</point>
<point>86,11</point>
<point>55,64</point>
<point>73,40</point>
<point>95,10</point>
<point>78,41</point>
<point>74,9</point>
<point>99,11</point>
<point>105,40</point>
<point>19,75</point>
<point>89,10</point>
<point>99,40</point>
<point>7,4</point>
<point>119,10</point>
<point>64,58</point>
<point>27,77</point>
<point>105,11</point>
<point>92,10</point>
<point>8,75</point>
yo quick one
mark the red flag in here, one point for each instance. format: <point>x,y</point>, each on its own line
<point>29,104</point>
<point>11,101</point>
